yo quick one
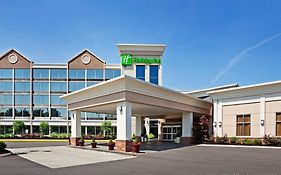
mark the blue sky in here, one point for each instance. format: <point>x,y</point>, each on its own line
<point>209,43</point>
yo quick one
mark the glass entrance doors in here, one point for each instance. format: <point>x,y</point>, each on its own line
<point>170,132</point>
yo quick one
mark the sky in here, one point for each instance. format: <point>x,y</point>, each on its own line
<point>209,43</point>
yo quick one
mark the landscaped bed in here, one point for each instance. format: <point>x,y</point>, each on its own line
<point>267,140</point>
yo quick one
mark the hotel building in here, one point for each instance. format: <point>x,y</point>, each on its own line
<point>79,95</point>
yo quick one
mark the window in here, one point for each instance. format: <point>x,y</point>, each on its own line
<point>41,74</point>
<point>40,112</point>
<point>22,112</point>
<point>6,86</point>
<point>22,74</point>
<point>40,86</point>
<point>6,99</point>
<point>112,73</point>
<point>90,83</point>
<point>140,72</point>
<point>77,74</point>
<point>74,86</point>
<point>58,74</point>
<point>6,73</point>
<point>55,100</point>
<point>153,74</point>
<point>22,99</point>
<point>243,125</point>
<point>278,124</point>
<point>41,100</point>
<point>95,74</point>
<point>58,86</point>
<point>22,86</point>
<point>94,116</point>
<point>59,112</point>
<point>6,112</point>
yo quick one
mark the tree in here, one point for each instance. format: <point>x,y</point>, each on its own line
<point>106,127</point>
<point>201,129</point>
<point>44,127</point>
<point>18,127</point>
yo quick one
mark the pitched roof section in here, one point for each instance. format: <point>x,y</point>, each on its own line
<point>10,51</point>
<point>83,52</point>
<point>86,60</point>
<point>14,59</point>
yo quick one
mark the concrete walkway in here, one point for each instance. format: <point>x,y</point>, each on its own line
<point>62,156</point>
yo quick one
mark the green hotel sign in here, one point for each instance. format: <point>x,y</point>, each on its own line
<point>128,60</point>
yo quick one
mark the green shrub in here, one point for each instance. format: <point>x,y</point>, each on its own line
<point>256,142</point>
<point>18,126</point>
<point>247,142</point>
<point>55,135</point>
<point>232,140</point>
<point>238,141</point>
<point>2,146</point>
<point>44,127</point>
<point>151,136</point>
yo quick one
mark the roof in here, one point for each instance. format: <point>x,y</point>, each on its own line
<point>212,89</point>
<point>126,88</point>
<point>247,87</point>
<point>142,47</point>
<point>86,50</point>
<point>12,49</point>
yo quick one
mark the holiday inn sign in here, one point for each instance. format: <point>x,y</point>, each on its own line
<point>128,60</point>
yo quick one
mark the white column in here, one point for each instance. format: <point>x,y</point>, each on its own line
<point>124,120</point>
<point>160,129</point>
<point>160,75</point>
<point>134,125</point>
<point>138,126</point>
<point>86,130</point>
<point>220,124</point>
<point>187,124</point>
<point>262,116</point>
<point>215,119</point>
<point>75,123</point>
<point>147,70</point>
<point>146,125</point>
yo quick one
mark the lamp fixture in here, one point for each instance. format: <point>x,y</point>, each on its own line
<point>215,124</point>
<point>262,122</point>
<point>220,124</point>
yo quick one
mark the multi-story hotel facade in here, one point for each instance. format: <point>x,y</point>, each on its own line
<point>30,92</point>
<point>78,95</point>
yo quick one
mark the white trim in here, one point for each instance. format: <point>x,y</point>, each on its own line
<point>247,87</point>
<point>86,50</point>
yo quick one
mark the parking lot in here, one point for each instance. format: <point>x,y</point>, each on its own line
<point>184,160</point>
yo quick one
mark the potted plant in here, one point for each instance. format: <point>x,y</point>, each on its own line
<point>81,141</point>
<point>178,137</point>
<point>135,145</point>
<point>94,143</point>
<point>110,145</point>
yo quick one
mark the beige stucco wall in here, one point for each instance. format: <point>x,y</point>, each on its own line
<point>230,113</point>
<point>272,107</point>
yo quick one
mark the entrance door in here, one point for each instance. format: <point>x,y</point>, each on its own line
<point>170,132</point>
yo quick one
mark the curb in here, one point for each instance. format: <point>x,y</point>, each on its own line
<point>6,154</point>
<point>108,151</point>
<point>239,146</point>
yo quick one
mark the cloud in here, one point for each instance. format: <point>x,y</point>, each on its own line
<point>239,57</point>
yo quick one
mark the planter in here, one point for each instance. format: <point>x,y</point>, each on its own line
<point>177,140</point>
<point>81,143</point>
<point>69,142</point>
<point>111,146</point>
<point>94,144</point>
<point>136,148</point>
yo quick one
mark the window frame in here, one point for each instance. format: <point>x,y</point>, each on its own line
<point>243,123</point>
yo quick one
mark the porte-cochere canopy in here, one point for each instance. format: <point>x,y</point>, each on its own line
<point>125,97</point>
